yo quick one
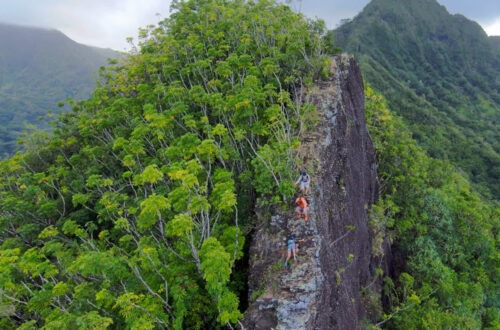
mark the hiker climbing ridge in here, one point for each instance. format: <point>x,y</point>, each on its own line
<point>292,249</point>
<point>297,289</point>
<point>302,208</point>
<point>302,211</point>
<point>305,182</point>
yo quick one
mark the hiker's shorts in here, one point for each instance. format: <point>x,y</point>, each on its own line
<point>292,247</point>
<point>301,210</point>
<point>304,185</point>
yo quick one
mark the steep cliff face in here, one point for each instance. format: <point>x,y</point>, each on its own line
<point>322,290</point>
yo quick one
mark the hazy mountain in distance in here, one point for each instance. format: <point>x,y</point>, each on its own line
<point>38,69</point>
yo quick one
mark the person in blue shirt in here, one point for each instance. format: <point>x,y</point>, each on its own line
<point>292,249</point>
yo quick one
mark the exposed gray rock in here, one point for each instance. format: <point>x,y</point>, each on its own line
<point>322,290</point>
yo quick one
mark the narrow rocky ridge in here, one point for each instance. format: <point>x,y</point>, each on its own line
<point>323,289</point>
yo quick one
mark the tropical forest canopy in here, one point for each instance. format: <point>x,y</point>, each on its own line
<point>445,243</point>
<point>133,213</point>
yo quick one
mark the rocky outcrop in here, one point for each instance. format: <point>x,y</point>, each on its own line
<point>323,289</point>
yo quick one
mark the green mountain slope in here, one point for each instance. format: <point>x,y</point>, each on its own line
<point>443,271</point>
<point>39,68</point>
<point>441,73</point>
<point>495,42</point>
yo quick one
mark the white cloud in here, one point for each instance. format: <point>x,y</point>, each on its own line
<point>108,23</point>
<point>493,29</point>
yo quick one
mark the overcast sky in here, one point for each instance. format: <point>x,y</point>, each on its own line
<point>108,23</point>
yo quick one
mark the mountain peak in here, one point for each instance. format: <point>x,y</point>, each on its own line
<point>444,66</point>
<point>41,67</point>
<point>405,15</point>
<point>15,33</point>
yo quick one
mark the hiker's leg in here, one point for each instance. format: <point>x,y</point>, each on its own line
<point>306,211</point>
<point>288,256</point>
<point>298,211</point>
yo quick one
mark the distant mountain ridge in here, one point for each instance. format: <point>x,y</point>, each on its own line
<point>441,73</point>
<point>495,42</point>
<point>38,69</point>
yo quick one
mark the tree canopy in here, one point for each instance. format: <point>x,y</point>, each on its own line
<point>133,213</point>
<point>444,236</point>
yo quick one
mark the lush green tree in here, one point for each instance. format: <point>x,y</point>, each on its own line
<point>444,236</point>
<point>132,214</point>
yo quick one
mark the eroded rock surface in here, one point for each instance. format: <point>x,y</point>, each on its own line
<point>323,289</point>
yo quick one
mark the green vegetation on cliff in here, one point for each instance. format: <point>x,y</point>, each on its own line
<point>445,244</point>
<point>440,73</point>
<point>132,214</point>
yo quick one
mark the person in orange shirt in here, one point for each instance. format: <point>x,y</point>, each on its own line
<point>301,208</point>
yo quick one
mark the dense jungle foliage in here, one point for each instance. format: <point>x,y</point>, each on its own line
<point>441,74</point>
<point>445,238</point>
<point>38,69</point>
<point>132,215</point>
